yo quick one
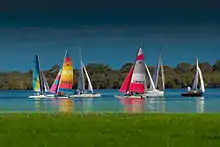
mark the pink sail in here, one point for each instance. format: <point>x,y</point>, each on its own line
<point>138,79</point>
<point>54,87</point>
<point>125,86</point>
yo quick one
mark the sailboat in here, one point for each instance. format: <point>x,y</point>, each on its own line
<point>39,83</point>
<point>154,89</point>
<point>135,83</point>
<point>64,79</point>
<point>81,91</point>
<point>195,92</point>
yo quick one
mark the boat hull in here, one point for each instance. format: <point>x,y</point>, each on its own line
<point>85,95</point>
<point>129,96</point>
<point>154,93</point>
<point>37,96</point>
<point>192,94</point>
<point>56,96</point>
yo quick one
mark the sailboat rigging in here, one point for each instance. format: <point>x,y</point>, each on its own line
<point>154,89</point>
<point>39,83</point>
<point>195,92</point>
<point>64,79</point>
<point>81,90</point>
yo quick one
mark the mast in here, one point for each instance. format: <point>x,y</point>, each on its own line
<point>81,83</point>
<point>40,75</point>
<point>162,73</point>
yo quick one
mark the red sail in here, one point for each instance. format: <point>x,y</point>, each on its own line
<point>125,86</point>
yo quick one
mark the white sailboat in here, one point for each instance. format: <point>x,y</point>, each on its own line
<point>154,89</point>
<point>81,91</point>
<point>195,92</point>
<point>39,83</point>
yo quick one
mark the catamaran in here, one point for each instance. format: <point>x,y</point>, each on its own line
<point>39,83</point>
<point>64,79</point>
<point>154,90</point>
<point>81,91</point>
<point>195,92</point>
<point>135,83</point>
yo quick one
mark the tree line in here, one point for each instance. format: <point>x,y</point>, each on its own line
<point>104,77</point>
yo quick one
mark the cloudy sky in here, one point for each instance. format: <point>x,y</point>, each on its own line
<point>108,32</point>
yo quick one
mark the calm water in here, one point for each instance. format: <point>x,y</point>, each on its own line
<point>17,101</point>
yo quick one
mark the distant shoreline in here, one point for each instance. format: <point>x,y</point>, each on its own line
<point>103,77</point>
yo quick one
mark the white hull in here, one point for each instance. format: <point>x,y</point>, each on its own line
<point>85,95</point>
<point>55,96</point>
<point>132,96</point>
<point>154,93</point>
<point>37,96</point>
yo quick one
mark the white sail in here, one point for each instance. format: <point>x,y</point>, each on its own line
<point>46,86</point>
<point>151,80</point>
<point>162,74</point>
<point>156,73</point>
<point>202,87</point>
<point>89,81</point>
<point>195,82</point>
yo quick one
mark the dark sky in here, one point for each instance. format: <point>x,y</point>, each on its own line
<point>107,30</point>
<point>74,13</point>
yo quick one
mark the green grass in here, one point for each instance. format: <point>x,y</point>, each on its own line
<point>109,130</point>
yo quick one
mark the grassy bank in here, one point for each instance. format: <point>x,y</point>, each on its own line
<point>110,130</point>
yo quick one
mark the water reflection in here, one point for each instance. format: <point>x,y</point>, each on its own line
<point>133,105</point>
<point>200,105</point>
<point>66,105</point>
<point>40,105</point>
<point>155,105</point>
<point>85,105</point>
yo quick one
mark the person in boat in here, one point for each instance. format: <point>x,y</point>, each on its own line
<point>78,91</point>
<point>61,93</point>
<point>188,89</point>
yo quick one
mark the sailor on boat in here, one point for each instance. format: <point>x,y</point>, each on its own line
<point>61,93</point>
<point>188,89</point>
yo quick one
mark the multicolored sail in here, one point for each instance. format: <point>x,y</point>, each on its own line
<point>126,84</point>
<point>36,76</point>
<point>54,87</point>
<point>138,79</point>
<point>66,79</point>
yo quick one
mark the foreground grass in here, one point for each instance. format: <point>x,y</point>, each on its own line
<point>110,130</point>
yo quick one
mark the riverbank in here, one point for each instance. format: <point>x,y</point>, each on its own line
<point>157,130</point>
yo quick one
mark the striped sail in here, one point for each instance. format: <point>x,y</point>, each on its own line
<point>36,75</point>
<point>66,79</point>
<point>54,87</point>
<point>138,79</point>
